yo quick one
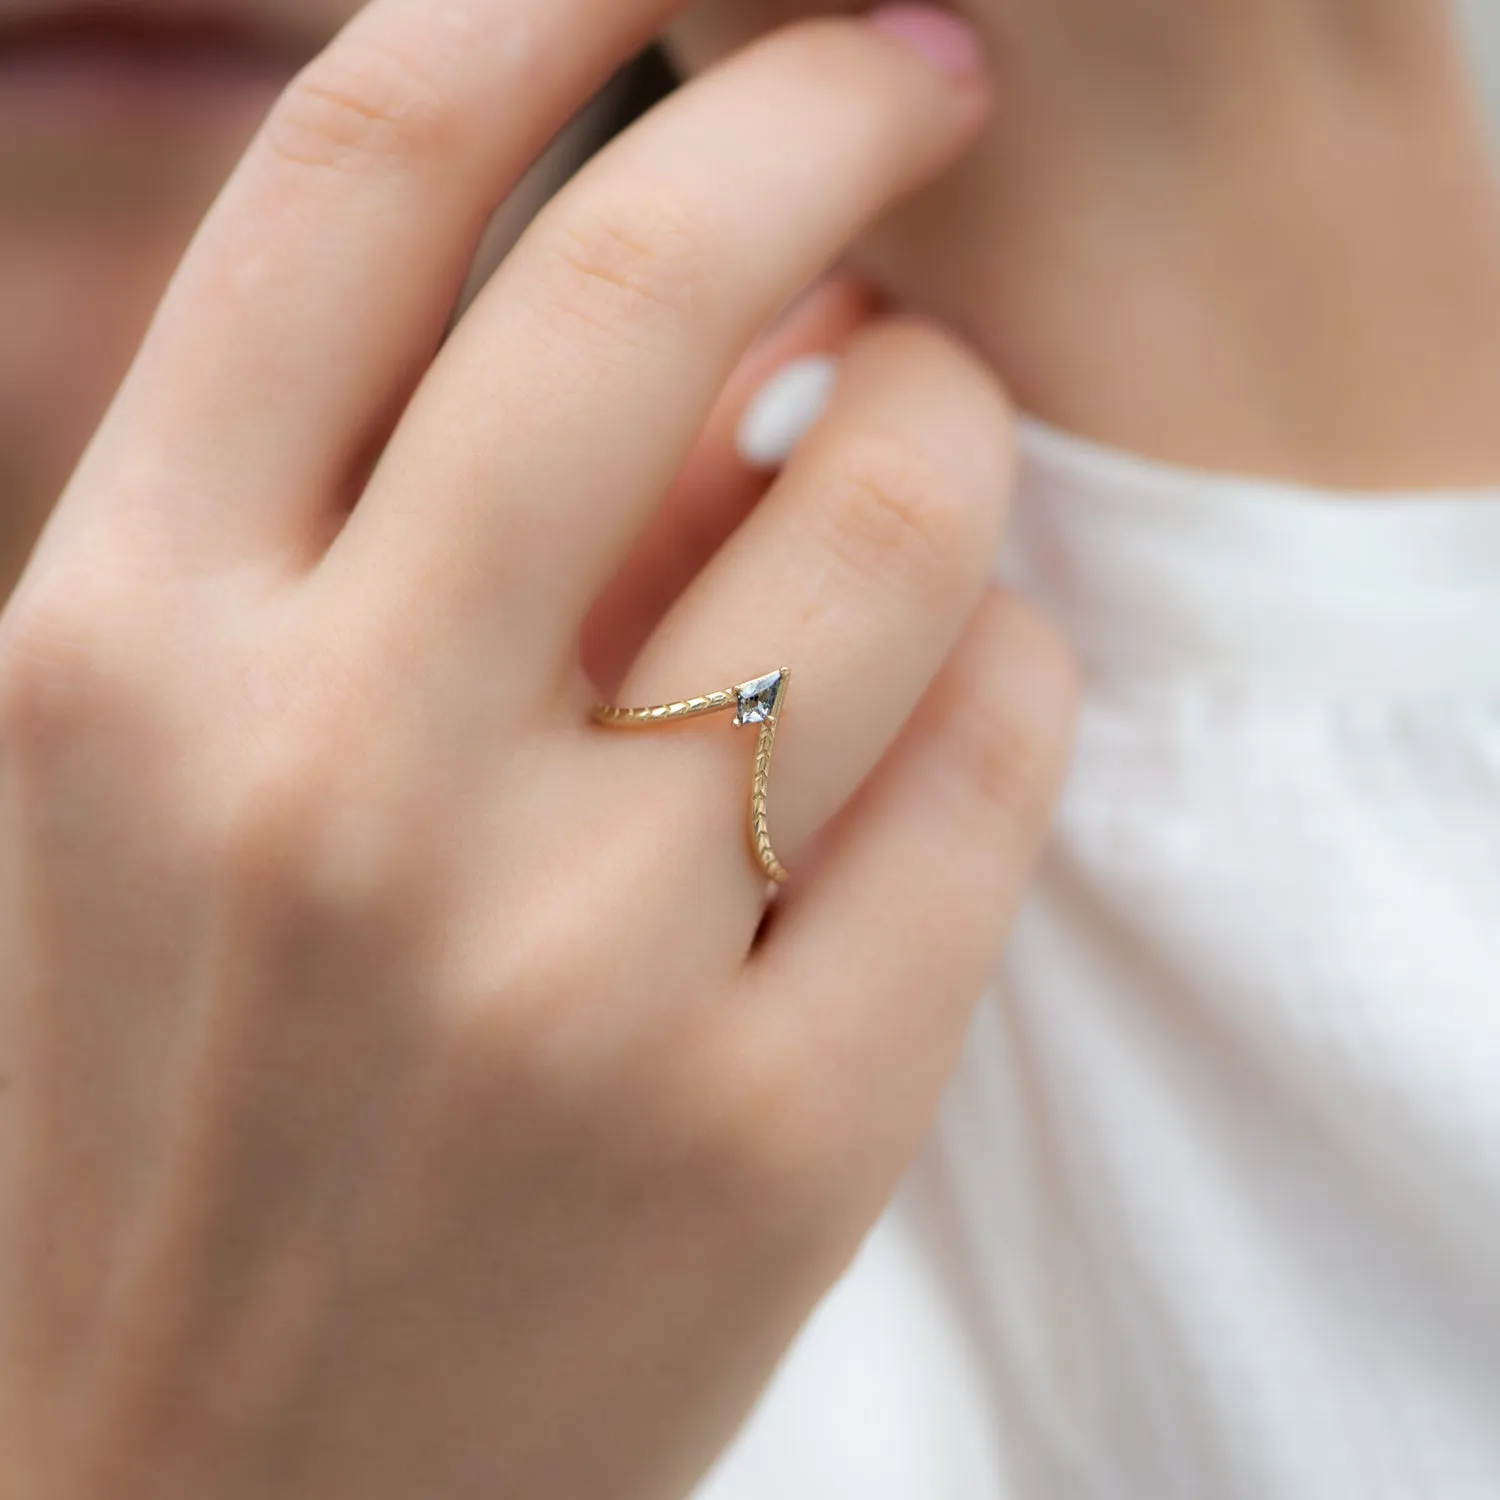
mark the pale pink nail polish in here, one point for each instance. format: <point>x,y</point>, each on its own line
<point>946,41</point>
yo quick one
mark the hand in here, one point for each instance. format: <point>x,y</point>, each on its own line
<point>403,1090</point>
<point>1258,235</point>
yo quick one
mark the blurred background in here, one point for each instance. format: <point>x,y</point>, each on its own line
<point>1482,17</point>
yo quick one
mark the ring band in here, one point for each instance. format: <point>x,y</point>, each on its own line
<point>759,701</point>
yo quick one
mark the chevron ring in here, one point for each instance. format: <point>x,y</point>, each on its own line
<point>758,702</point>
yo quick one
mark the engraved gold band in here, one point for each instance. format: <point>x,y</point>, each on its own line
<point>759,701</point>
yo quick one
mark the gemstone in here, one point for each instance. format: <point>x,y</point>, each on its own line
<point>759,700</point>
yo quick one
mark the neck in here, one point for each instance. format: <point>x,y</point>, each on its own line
<point>1311,293</point>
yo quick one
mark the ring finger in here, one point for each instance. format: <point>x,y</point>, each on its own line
<point>858,571</point>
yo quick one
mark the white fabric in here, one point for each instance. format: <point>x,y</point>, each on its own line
<point>1480,20</point>
<point>1213,1208</point>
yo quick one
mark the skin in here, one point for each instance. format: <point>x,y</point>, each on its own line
<point>1220,161</point>
<point>406,1088</point>
<point>93,220</point>
<point>1261,237</point>
<point>373,1120</point>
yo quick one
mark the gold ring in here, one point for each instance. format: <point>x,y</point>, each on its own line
<point>759,701</point>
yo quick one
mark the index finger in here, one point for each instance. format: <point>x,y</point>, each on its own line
<point>319,287</point>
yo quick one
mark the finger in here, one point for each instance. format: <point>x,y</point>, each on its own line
<point>717,488</point>
<point>565,405</point>
<point>319,287</point>
<point>873,962</point>
<point>857,571</point>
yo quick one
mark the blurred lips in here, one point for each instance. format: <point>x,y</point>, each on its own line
<point>139,63</point>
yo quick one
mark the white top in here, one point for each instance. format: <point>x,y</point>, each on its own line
<point>1213,1208</point>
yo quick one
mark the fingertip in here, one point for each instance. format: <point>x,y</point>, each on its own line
<point>977,407</point>
<point>785,409</point>
<point>951,44</point>
<point>786,379</point>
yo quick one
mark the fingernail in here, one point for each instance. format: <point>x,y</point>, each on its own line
<point>784,410</point>
<point>945,40</point>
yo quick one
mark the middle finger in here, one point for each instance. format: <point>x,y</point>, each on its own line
<point>560,412</point>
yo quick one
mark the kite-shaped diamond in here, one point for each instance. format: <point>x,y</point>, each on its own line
<point>760,700</point>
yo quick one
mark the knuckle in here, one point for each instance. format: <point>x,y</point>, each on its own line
<point>302,797</point>
<point>895,516</point>
<point>515,985</point>
<point>1013,759</point>
<point>275,837</point>
<point>907,345</point>
<point>618,262</point>
<point>360,110</point>
<point>56,666</point>
<point>923,372</point>
<point>1010,770</point>
<point>511,1033</point>
<point>777,1138</point>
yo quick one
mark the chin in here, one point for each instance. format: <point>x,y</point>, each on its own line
<point>107,73</point>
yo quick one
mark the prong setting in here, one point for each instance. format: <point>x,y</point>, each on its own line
<point>757,703</point>
<point>760,699</point>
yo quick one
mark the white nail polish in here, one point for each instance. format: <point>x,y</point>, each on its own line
<point>784,410</point>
